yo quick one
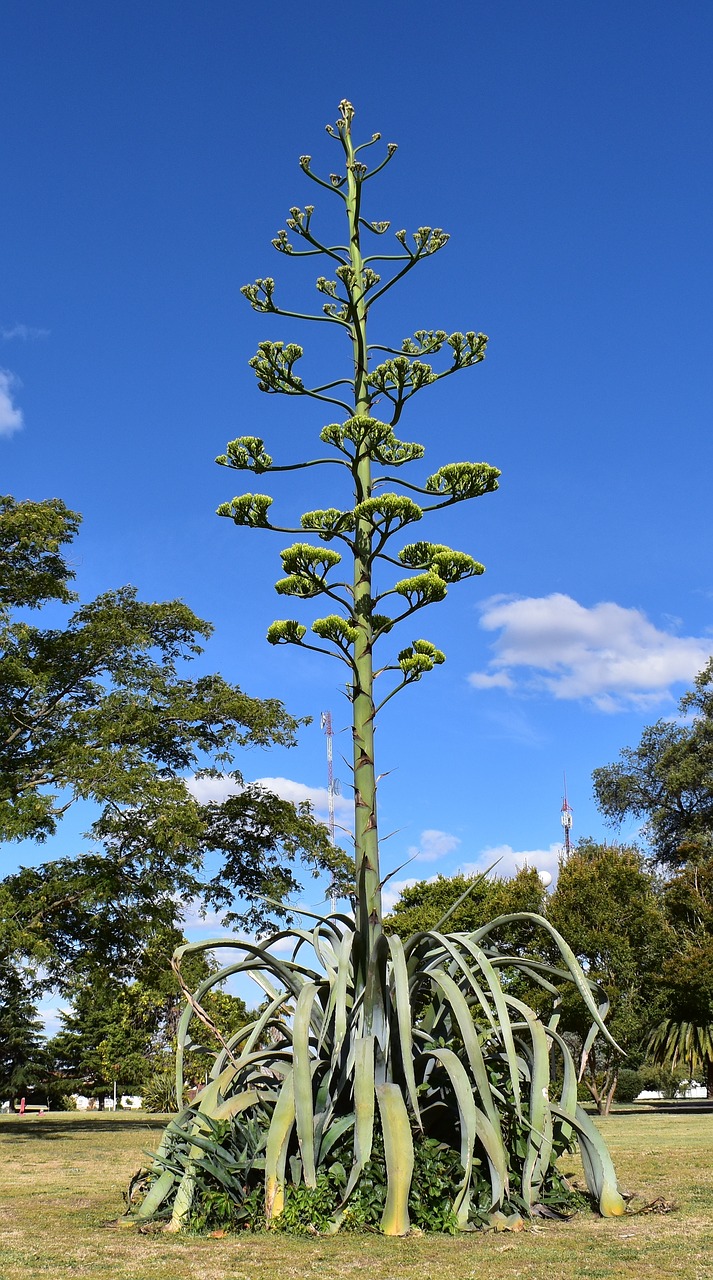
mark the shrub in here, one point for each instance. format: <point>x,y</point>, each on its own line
<point>628,1086</point>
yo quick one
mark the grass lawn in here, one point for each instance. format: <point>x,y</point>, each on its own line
<point>61,1178</point>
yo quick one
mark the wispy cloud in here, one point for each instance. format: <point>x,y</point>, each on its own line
<point>610,655</point>
<point>10,416</point>
<point>26,332</point>
<point>433,845</point>
<point>510,861</point>
<point>394,888</point>
<point>215,790</point>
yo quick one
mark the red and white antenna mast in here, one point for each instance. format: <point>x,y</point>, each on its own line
<point>566,818</point>
<point>325,721</point>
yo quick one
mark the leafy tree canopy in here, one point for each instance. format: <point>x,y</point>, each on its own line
<point>423,905</point>
<point>102,710</point>
<point>667,781</point>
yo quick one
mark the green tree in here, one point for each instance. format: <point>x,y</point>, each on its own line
<point>684,1037</point>
<point>469,902</point>
<point>104,709</point>
<point>23,1060</point>
<point>608,905</point>
<point>667,781</point>
<point>125,1031</point>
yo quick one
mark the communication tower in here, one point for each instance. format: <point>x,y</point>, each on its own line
<point>566,818</point>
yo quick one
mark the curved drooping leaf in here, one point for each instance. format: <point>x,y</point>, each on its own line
<point>344,1027</point>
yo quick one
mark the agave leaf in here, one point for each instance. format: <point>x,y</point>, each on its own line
<point>438,928</point>
<point>467,1111</point>
<point>363,1109</point>
<point>398,1151</point>
<point>573,966</point>
<point>302,1079</point>
<point>598,1167</point>
<point>471,1043</point>
<point>154,1198</point>
<point>278,1138</point>
<point>568,1096</point>
<point>233,1106</point>
<point>492,1143</point>
<point>501,1022</point>
<point>539,1137</point>
<point>402,1000</point>
<point>332,1135</point>
<point>376,998</point>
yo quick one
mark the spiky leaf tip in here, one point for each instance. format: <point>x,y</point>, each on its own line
<point>250,509</point>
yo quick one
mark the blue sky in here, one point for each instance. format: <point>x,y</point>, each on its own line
<point>149,157</point>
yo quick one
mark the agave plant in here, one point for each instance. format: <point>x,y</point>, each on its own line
<point>427,1037</point>
<point>420,1038</point>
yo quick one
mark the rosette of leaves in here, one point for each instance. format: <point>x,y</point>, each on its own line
<point>416,1040</point>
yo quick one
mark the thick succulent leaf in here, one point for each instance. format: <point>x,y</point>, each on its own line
<point>468,1122</point>
<point>157,1193</point>
<point>302,1081</point>
<point>471,1043</point>
<point>404,1015</point>
<point>492,1144</point>
<point>398,1152</point>
<point>539,1137</point>
<point>364,1085</point>
<point>598,1167</point>
<point>573,966</point>
<point>278,1139</point>
<point>496,992</point>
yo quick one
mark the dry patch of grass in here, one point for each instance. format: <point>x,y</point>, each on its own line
<point>61,1179</point>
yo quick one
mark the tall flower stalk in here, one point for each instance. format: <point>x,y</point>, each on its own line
<point>369,449</point>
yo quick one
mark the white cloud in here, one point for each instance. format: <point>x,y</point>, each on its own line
<point>215,790</point>
<point>510,861</point>
<point>318,797</point>
<point>10,417</point>
<point>24,331</point>
<point>394,888</point>
<point>609,654</point>
<point>433,845</point>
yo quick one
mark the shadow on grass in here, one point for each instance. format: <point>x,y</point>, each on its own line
<point>662,1106</point>
<point>51,1127</point>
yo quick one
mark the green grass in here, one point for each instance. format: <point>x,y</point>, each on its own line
<point>61,1179</point>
